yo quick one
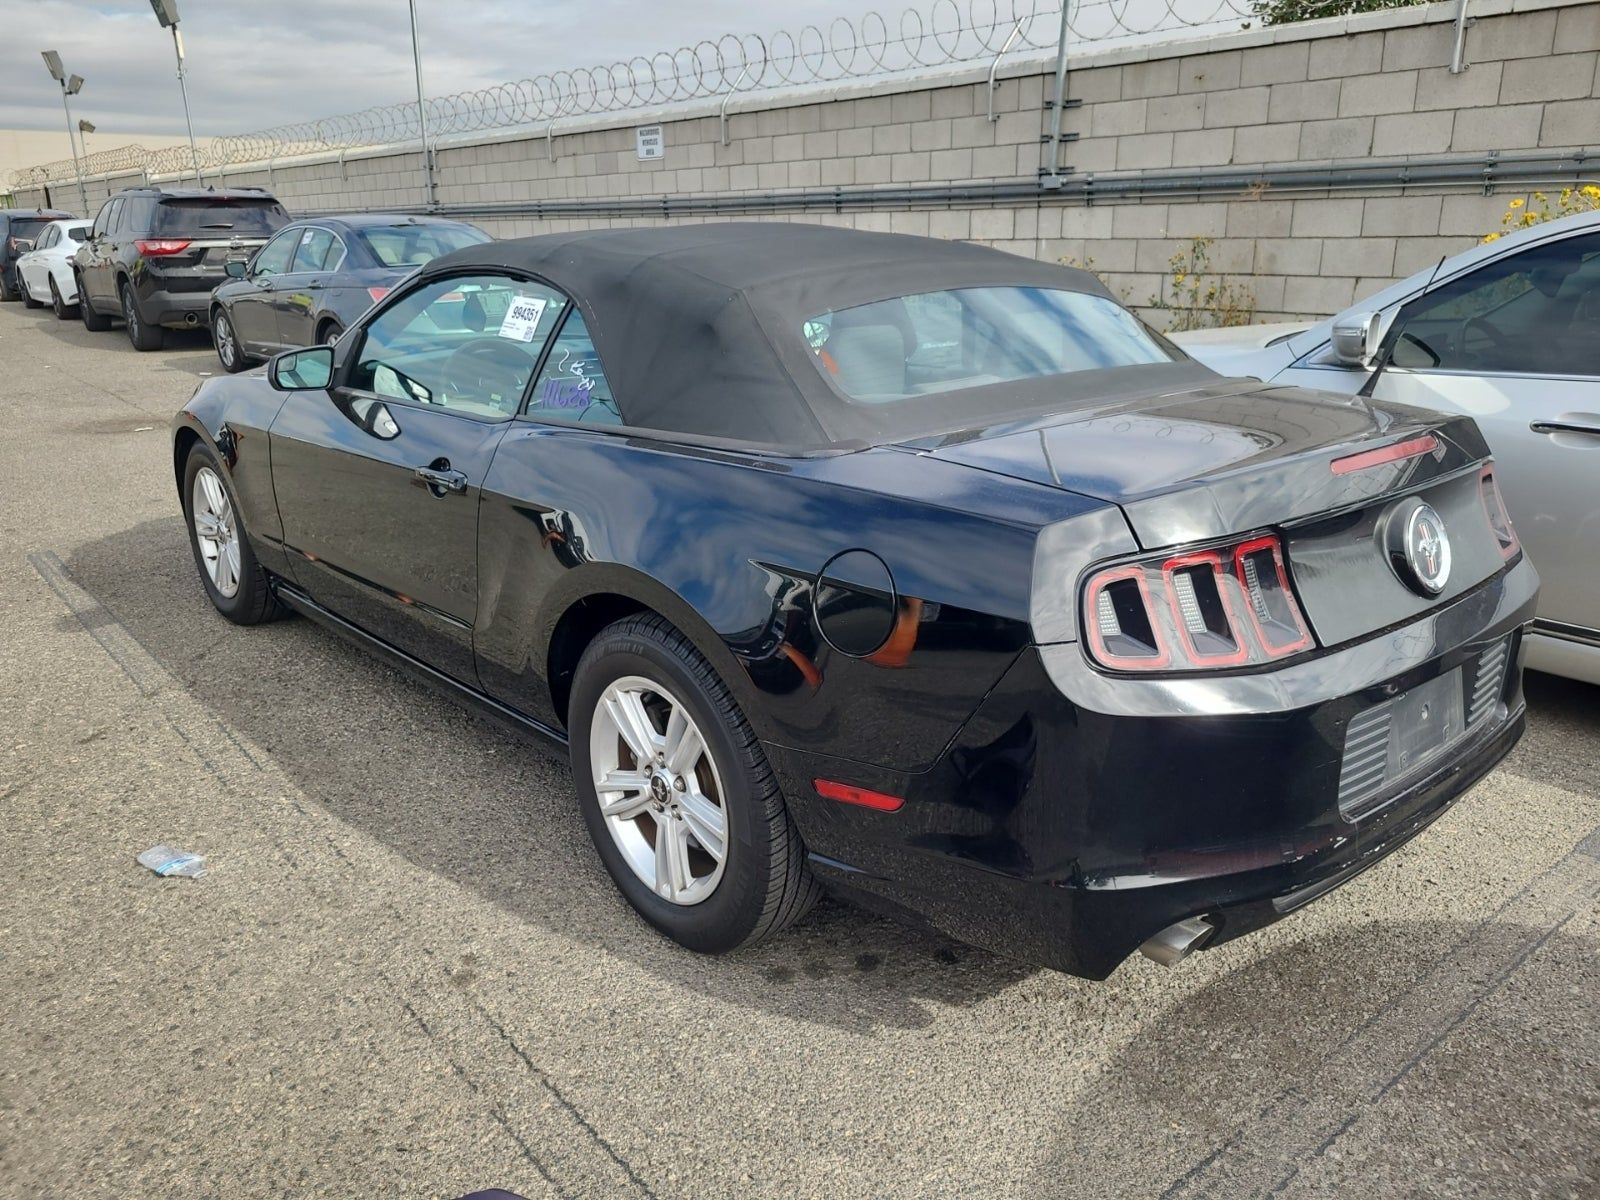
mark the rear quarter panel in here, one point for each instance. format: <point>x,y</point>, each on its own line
<point>728,548</point>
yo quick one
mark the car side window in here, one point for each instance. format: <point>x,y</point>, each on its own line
<point>47,239</point>
<point>465,343</point>
<point>1536,312</point>
<point>317,250</point>
<point>114,221</point>
<point>275,255</point>
<point>102,220</point>
<point>572,387</point>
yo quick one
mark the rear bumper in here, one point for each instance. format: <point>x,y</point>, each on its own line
<point>1058,832</point>
<point>175,310</point>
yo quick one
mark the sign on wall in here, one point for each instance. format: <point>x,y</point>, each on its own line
<point>649,143</point>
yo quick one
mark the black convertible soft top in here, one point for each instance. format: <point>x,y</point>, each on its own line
<point>699,328</point>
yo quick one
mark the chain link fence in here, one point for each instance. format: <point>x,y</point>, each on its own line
<point>950,32</point>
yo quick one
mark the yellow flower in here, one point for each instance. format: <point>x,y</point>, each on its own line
<point>1179,277</point>
<point>1592,192</point>
<point>1530,218</point>
<point>1490,237</point>
<point>1540,197</point>
<point>1518,202</point>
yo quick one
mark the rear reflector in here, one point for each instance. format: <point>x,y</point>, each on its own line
<point>156,247</point>
<point>1413,448</point>
<point>846,794</point>
<point>1494,506</point>
<point>377,293</point>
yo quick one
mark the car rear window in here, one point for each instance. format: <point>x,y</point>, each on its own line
<point>28,227</point>
<point>230,217</point>
<point>949,341</point>
<point>415,245</point>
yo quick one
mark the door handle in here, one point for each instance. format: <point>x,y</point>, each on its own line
<point>1564,427</point>
<point>440,479</point>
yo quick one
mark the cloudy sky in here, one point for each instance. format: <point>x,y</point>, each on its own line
<point>258,63</point>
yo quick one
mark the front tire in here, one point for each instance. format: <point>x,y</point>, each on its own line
<point>93,321</point>
<point>228,568</point>
<point>678,796</point>
<point>144,337</point>
<point>223,337</point>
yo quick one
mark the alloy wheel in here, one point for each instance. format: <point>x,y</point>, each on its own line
<point>215,531</point>
<point>659,790</point>
<point>227,347</point>
<point>130,315</point>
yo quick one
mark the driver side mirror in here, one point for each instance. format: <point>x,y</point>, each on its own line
<point>234,268</point>
<point>306,370</point>
<point>1357,337</point>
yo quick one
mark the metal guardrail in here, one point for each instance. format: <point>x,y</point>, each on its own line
<point>949,32</point>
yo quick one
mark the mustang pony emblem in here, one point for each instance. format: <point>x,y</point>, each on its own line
<point>1419,547</point>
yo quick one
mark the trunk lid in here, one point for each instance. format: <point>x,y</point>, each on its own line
<point>1236,456</point>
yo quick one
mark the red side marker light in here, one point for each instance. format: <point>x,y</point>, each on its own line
<point>377,293</point>
<point>1367,459</point>
<point>847,794</point>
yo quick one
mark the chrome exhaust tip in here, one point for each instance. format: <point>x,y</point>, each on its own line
<point>1175,943</point>
<point>191,318</point>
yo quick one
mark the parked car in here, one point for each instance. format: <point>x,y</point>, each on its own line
<point>156,253</point>
<point>311,281</point>
<point>1507,333</point>
<point>18,228</point>
<point>910,568</point>
<point>44,274</point>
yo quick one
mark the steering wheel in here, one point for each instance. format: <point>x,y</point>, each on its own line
<point>486,368</point>
<point>1489,338</point>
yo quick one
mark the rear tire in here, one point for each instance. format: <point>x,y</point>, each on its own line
<point>27,297</point>
<point>63,310</point>
<point>93,321</point>
<point>761,884</point>
<point>6,292</point>
<point>238,588</point>
<point>144,337</point>
<point>226,341</point>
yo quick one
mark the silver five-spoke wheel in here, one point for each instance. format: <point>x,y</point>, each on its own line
<point>215,531</point>
<point>659,790</point>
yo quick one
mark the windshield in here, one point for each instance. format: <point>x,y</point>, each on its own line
<point>228,216</point>
<point>415,245</point>
<point>974,337</point>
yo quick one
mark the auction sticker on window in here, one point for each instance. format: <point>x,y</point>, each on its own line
<point>522,318</point>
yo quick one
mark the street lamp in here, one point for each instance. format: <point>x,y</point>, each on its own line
<point>70,86</point>
<point>167,13</point>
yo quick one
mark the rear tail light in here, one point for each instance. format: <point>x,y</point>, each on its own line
<point>1494,506</point>
<point>377,293</point>
<point>157,247</point>
<point>1231,606</point>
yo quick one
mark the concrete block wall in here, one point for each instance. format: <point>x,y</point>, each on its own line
<point>1335,92</point>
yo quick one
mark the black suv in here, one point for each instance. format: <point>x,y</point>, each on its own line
<point>155,253</point>
<point>18,228</point>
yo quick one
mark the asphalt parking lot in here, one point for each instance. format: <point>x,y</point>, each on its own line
<point>407,975</point>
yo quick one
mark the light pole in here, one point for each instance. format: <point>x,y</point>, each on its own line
<point>167,13</point>
<point>70,86</point>
<point>422,104</point>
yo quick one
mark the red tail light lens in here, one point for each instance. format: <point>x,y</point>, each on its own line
<point>157,247</point>
<point>1494,506</point>
<point>377,293</point>
<point>1227,607</point>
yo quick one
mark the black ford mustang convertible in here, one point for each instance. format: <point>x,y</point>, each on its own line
<point>909,569</point>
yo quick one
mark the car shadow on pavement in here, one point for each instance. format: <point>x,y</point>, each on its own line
<point>179,351</point>
<point>462,797</point>
<point>1482,1032</point>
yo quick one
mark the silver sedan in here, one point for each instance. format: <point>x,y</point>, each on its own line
<point>1507,333</point>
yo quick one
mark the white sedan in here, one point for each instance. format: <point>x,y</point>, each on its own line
<point>1509,334</point>
<point>44,274</point>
